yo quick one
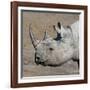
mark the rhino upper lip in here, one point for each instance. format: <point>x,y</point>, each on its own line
<point>42,63</point>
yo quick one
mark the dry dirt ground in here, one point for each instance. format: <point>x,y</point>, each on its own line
<point>41,22</point>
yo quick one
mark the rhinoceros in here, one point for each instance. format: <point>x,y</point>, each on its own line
<point>59,50</point>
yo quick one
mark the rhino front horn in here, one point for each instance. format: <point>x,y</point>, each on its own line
<point>33,40</point>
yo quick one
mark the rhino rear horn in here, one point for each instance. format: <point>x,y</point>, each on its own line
<point>46,36</point>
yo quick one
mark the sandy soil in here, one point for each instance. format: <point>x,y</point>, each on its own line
<point>41,22</point>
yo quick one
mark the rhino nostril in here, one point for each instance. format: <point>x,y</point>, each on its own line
<point>37,58</point>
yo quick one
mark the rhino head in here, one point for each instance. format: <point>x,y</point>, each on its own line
<point>51,51</point>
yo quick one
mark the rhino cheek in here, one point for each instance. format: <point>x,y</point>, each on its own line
<point>57,58</point>
<point>52,59</point>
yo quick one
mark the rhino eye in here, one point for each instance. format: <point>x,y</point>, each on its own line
<point>51,49</point>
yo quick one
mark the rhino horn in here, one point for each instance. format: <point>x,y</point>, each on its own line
<point>33,40</point>
<point>46,36</point>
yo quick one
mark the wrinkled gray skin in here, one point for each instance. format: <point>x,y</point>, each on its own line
<point>59,50</point>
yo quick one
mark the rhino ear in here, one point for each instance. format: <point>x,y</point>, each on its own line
<point>46,36</point>
<point>58,28</point>
<point>59,25</point>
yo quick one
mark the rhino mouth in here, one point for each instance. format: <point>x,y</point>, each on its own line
<point>45,63</point>
<point>51,65</point>
<point>42,63</point>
